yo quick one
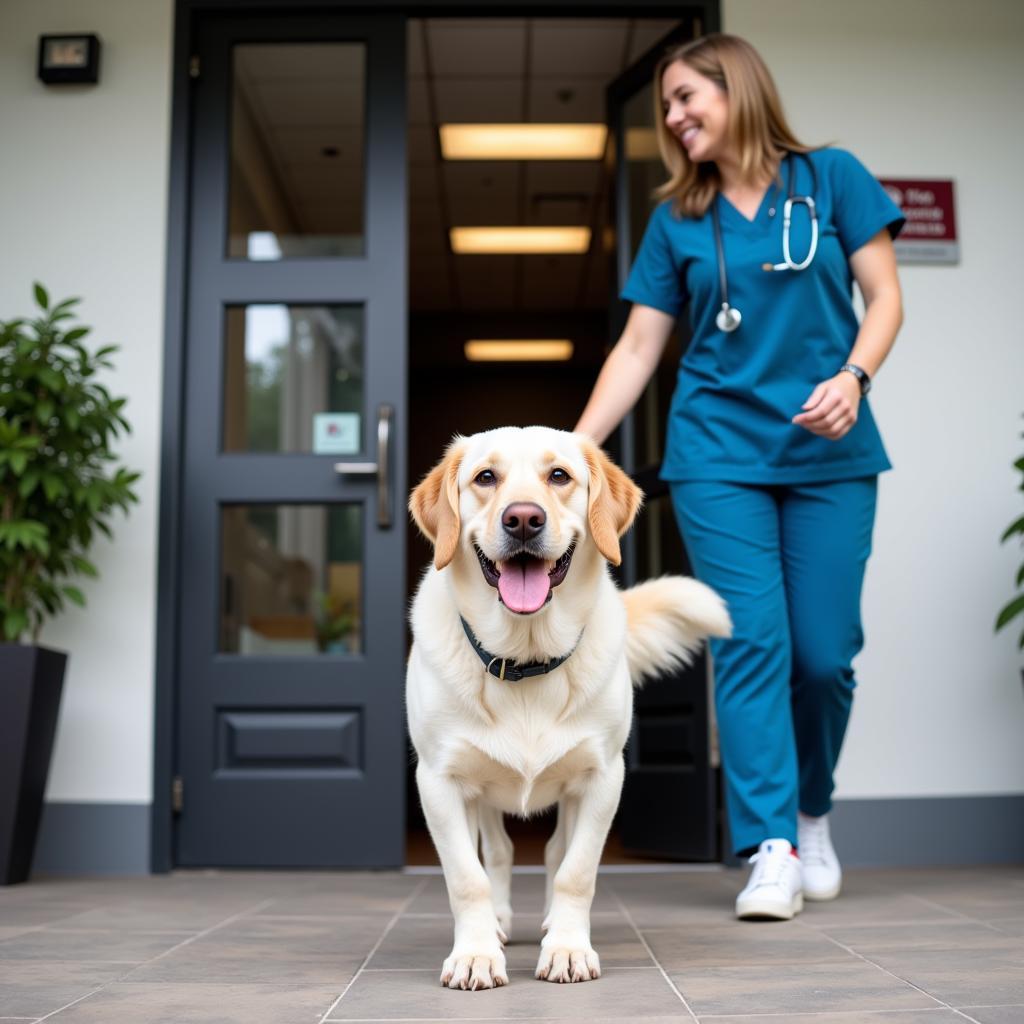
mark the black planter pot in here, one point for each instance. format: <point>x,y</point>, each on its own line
<point>31,680</point>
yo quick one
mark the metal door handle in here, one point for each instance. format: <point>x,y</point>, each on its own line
<point>381,468</point>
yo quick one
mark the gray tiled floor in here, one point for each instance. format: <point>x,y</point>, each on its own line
<point>899,947</point>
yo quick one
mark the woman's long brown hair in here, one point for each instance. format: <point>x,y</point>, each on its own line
<point>757,124</point>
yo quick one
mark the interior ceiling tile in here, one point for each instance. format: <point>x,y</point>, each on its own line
<point>563,176</point>
<point>479,74</point>
<point>570,100</point>
<point>592,47</point>
<point>425,216</point>
<point>331,218</point>
<point>461,100</point>
<point>429,287</point>
<point>305,145</point>
<point>415,63</point>
<point>300,102</point>
<point>481,180</point>
<point>561,270</point>
<point>476,47</point>
<point>502,211</point>
<point>428,248</point>
<point>486,282</point>
<point>422,144</point>
<point>315,182</point>
<point>551,282</point>
<point>424,296</point>
<point>647,33</point>
<point>423,183</point>
<point>559,212</point>
<point>417,101</point>
<point>326,62</point>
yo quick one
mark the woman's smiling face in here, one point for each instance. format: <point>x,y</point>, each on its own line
<point>696,112</point>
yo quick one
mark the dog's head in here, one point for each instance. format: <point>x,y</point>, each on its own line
<point>520,502</point>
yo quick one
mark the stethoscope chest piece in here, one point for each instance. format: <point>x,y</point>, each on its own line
<point>728,318</point>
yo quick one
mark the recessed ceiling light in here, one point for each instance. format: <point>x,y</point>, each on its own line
<point>520,240</point>
<point>508,351</point>
<point>522,141</point>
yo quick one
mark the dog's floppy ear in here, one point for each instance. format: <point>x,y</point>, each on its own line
<point>612,502</point>
<point>434,504</point>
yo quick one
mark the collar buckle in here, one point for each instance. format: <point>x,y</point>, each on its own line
<point>513,672</point>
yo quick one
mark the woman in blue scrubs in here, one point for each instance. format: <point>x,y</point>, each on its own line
<point>772,454</point>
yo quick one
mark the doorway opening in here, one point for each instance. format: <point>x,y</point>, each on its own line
<point>518,71</point>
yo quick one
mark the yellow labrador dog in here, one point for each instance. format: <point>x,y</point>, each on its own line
<point>520,679</point>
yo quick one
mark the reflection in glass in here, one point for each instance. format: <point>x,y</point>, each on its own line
<point>293,379</point>
<point>297,137</point>
<point>291,579</point>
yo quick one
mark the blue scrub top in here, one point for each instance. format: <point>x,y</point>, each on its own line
<point>737,393</point>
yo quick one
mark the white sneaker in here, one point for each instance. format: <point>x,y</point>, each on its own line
<point>774,889</point>
<point>823,877</point>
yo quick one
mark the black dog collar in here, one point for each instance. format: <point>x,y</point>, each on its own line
<point>508,669</point>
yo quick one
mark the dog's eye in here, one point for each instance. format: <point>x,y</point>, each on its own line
<point>485,478</point>
<point>558,476</point>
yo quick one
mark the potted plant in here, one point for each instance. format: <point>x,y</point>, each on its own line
<point>1015,606</point>
<point>58,486</point>
<point>334,623</point>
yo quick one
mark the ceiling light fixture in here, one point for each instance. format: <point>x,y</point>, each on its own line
<point>519,240</point>
<point>514,351</point>
<point>523,141</point>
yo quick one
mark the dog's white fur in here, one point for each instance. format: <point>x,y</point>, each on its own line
<point>487,747</point>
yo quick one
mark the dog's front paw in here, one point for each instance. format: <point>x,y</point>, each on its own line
<point>473,970</point>
<point>567,958</point>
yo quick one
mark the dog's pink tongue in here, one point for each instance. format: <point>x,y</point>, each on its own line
<point>524,586</point>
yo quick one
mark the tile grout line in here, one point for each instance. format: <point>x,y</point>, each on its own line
<point>957,913</point>
<point>816,1013</point>
<point>671,984</point>
<point>885,970</point>
<point>511,970</point>
<point>369,956</point>
<point>200,935</point>
<point>159,956</point>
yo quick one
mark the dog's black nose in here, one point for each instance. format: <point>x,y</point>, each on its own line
<point>523,520</point>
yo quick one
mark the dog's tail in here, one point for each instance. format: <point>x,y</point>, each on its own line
<point>666,621</point>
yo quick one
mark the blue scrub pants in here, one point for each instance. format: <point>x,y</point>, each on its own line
<point>789,561</point>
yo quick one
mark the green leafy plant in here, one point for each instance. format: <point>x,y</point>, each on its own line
<point>1016,606</point>
<point>335,620</point>
<point>57,482</point>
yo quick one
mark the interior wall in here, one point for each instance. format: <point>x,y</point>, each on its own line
<point>83,201</point>
<point>919,89</point>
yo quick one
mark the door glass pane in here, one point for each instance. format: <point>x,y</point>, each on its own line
<point>293,379</point>
<point>291,579</point>
<point>645,171</point>
<point>297,138</point>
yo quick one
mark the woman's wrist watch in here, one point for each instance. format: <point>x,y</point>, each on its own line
<point>862,377</point>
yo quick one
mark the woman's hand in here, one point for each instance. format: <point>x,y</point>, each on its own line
<point>832,408</point>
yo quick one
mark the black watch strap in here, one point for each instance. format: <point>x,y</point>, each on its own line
<point>865,380</point>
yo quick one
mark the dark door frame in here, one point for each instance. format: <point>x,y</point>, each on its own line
<point>187,16</point>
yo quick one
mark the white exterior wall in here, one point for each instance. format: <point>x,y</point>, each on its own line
<point>916,88</point>
<point>930,89</point>
<point>83,201</point>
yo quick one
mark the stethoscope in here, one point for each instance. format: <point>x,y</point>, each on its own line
<point>729,317</point>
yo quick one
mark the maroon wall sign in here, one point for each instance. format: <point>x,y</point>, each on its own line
<point>929,236</point>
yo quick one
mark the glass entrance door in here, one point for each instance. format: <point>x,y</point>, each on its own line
<point>290,732</point>
<point>669,762</point>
